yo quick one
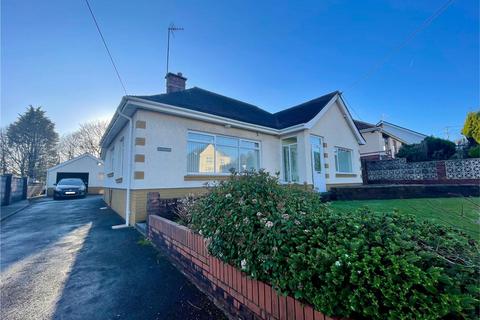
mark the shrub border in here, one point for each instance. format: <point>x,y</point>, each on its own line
<point>238,295</point>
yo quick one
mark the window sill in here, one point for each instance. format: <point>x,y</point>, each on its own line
<point>345,175</point>
<point>119,180</point>
<point>204,177</point>
<point>110,174</point>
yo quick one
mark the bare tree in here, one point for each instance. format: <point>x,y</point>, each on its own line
<point>85,139</point>
<point>68,147</point>
<point>5,165</point>
<point>90,134</point>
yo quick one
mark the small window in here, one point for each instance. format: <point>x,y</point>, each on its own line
<point>120,156</point>
<point>112,159</point>
<point>343,160</point>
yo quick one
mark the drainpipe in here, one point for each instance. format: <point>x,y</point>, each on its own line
<point>129,172</point>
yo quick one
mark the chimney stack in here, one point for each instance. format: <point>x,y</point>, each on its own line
<point>175,82</point>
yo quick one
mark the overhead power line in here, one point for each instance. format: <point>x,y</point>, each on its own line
<point>106,47</point>
<point>349,106</point>
<point>407,40</point>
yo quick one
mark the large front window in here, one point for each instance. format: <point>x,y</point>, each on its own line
<point>290,162</point>
<point>343,160</point>
<point>214,154</point>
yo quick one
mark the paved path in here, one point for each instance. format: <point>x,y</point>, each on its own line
<point>62,260</point>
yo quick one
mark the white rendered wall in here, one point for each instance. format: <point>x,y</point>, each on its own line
<point>336,132</point>
<point>168,169</point>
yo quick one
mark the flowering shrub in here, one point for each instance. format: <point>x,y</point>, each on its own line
<point>183,210</point>
<point>358,265</point>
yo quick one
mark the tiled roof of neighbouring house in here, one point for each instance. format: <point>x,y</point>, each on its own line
<point>201,100</point>
<point>363,125</point>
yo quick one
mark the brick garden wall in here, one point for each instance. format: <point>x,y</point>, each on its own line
<point>237,294</point>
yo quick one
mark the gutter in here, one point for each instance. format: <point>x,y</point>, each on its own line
<point>129,172</point>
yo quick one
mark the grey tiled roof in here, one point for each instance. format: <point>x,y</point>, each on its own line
<point>363,125</point>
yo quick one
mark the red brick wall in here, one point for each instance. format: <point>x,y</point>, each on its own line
<point>239,295</point>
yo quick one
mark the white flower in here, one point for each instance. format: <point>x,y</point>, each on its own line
<point>297,222</point>
<point>306,231</point>
<point>338,263</point>
<point>228,195</point>
<point>259,214</point>
<point>254,201</point>
<point>274,249</point>
<point>359,272</point>
<point>302,213</point>
<point>269,224</point>
<point>243,264</point>
<point>245,220</point>
<point>200,232</point>
<point>285,216</point>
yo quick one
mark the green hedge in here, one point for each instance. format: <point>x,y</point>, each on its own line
<point>358,265</point>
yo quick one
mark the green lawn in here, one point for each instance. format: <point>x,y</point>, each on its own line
<point>462,213</point>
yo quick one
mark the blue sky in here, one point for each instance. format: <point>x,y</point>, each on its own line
<point>269,53</point>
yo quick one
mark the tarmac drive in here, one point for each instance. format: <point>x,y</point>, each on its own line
<point>62,260</point>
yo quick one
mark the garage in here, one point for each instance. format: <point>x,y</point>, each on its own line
<point>86,167</point>
<point>79,175</point>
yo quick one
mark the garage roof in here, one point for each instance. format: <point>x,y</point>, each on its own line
<point>85,155</point>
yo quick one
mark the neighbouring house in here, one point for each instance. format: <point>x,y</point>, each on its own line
<point>384,139</point>
<point>86,167</point>
<point>174,143</point>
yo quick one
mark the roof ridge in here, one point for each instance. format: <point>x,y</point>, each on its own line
<point>309,101</point>
<point>396,125</point>
<point>159,94</point>
<point>230,98</point>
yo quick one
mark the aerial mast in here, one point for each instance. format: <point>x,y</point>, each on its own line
<point>171,29</point>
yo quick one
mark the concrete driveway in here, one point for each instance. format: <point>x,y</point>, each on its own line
<point>62,260</point>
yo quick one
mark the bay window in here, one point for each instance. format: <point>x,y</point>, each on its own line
<point>343,160</point>
<point>215,154</point>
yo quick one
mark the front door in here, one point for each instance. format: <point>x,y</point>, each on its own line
<point>318,167</point>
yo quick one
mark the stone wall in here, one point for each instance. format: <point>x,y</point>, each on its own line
<point>399,171</point>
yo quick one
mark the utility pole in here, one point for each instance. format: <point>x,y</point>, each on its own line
<point>171,30</point>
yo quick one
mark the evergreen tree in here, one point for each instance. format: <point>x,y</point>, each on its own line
<point>32,141</point>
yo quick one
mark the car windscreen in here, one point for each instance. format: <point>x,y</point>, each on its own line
<point>70,182</point>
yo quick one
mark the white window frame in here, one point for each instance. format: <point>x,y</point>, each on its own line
<point>336,159</point>
<point>239,140</point>
<point>112,159</point>
<point>289,180</point>
<point>121,151</point>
